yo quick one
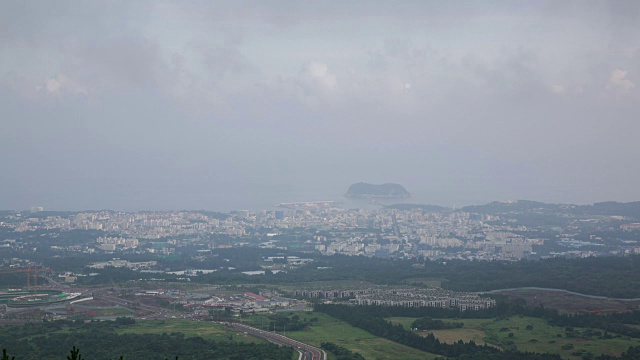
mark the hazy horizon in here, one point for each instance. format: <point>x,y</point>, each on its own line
<point>197,105</point>
<point>259,202</point>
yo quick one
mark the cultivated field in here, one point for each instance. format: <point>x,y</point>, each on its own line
<point>530,334</point>
<point>329,329</point>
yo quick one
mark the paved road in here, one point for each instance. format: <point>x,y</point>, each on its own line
<point>308,352</point>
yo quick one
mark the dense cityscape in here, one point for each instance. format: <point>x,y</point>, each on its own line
<point>400,231</point>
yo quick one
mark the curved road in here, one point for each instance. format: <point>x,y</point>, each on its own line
<point>307,351</point>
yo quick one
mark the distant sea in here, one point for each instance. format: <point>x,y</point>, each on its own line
<point>216,198</point>
<point>259,202</point>
<point>270,200</point>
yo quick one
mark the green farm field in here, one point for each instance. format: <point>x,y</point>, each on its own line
<point>472,330</point>
<point>325,329</point>
<point>530,334</point>
<point>329,329</point>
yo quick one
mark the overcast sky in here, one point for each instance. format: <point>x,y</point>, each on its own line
<point>185,104</point>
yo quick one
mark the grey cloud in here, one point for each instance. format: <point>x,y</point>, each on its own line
<point>48,23</point>
<point>460,103</point>
<point>124,62</point>
<point>625,13</point>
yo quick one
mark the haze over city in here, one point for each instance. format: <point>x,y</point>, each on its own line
<point>227,105</point>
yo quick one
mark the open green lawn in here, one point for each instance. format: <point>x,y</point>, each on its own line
<point>529,334</point>
<point>466,334</point>
<point>404,321</point>
<point>523,333</point>
<point>206,330</point>
<point>553,338</point>
<point>326,329</point>
<point>329,329</point>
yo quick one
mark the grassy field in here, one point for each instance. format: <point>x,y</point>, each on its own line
<point>206,330</point>
<point>467,333</point>
<point>329,329</point>
<point>518,332</point>
<point>529,334</point>
<point>325,329</point>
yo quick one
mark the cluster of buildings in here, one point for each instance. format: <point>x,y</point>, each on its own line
<point>112,243</point>
<point>432,235</point>
<point>405,297</point>
<point>211,303</point>
<point>328,229</point>
<point>124,263</point>
<point>145,225</point>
